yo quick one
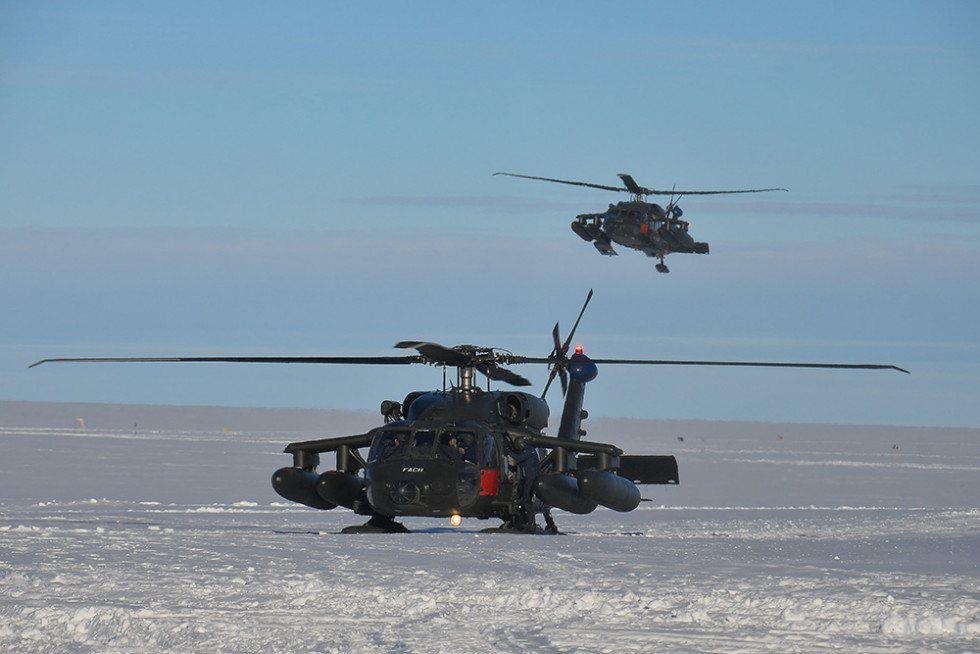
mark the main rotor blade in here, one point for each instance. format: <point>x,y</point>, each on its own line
<point>632,187</point>
<point>497,373</point>
<point>761,364</point>
<point>647,191</point>
<point>437,353</point>
<point>564,181</point>
<point>454,357</point>
<point>638,190</point>
<point>383,361</point>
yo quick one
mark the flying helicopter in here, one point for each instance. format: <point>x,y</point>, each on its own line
<point>464,451</point>
<point>637,224</point>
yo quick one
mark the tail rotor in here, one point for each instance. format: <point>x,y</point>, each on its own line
<point>559,355</point>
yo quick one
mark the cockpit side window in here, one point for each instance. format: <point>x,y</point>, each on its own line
<point>389,443</point>
<point>457,445</point>
<point>467,441</point>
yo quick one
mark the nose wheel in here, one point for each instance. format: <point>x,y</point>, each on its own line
<point>662,267</point>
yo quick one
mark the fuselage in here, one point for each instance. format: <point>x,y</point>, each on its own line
<point>645,226</point>
<point>453,453</point>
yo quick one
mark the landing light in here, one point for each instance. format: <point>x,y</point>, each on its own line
<point>456,520</point>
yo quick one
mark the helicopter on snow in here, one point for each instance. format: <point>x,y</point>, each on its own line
<point>640,225</point>
<point>468,452</point>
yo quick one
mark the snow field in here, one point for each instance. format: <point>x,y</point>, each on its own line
<point>119,576</point>
<point>827,539</point>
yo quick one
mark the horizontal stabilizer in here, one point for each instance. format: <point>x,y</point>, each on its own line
<point>640,468</point>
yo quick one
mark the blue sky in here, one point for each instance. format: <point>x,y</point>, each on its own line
<point>243,178</point>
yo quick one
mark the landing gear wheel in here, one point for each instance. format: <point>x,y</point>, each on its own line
<point>662,268</point>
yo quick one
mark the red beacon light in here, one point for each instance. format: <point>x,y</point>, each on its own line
<point>578,349</point>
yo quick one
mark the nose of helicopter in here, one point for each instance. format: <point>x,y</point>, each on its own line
<point>424,488</point>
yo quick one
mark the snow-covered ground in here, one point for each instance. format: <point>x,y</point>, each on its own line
<point>780,538</point>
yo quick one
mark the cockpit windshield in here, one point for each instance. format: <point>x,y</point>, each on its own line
<point>449,444</point>
<point>422,444</point>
